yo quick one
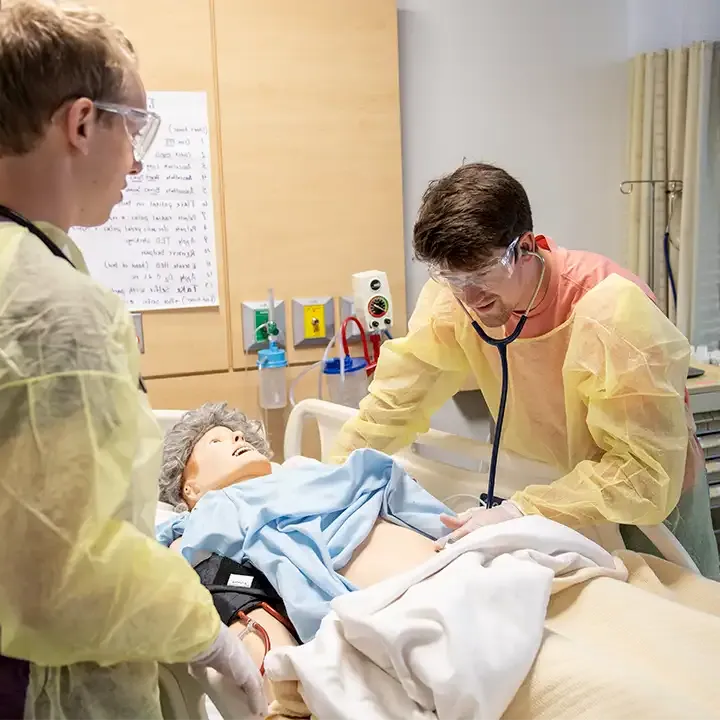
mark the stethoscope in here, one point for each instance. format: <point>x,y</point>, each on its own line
<point>19,219</point>
<point>502,345</point>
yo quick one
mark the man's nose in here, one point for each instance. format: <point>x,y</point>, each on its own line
<point>137,168</point>
<point>474,295</point>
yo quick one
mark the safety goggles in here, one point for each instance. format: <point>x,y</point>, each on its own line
<point>499,269</point>
<point>141,126</point>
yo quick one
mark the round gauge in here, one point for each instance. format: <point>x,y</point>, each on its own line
<point>378,306</point>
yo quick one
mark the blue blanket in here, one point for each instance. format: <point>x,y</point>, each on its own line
<point>301,524</point>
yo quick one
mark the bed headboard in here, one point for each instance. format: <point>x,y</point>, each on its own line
<point>455,484</point>
<point>448,466</point>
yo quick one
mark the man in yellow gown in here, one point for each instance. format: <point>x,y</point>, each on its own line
<point>89,601</point>
<point>597,375</point>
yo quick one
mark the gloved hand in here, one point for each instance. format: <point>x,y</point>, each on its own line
<point>475,518</point>
<point>229,657</point>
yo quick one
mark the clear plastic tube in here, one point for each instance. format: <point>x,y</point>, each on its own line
<point>300,376</point>
<point>325,356</point>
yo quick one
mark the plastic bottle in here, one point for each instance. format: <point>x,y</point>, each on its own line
<point>347,385</point>
<point>272,383</point>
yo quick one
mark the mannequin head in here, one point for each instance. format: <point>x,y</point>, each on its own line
<point>211,448</point>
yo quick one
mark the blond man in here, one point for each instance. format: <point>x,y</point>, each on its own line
<point>89,602</point>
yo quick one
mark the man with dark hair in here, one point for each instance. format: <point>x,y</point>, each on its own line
<point>597,375</point>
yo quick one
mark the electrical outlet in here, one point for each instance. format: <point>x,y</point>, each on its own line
<point>313,321</point>
<point>254,316</point>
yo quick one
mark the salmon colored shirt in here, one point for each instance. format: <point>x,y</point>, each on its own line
<point>572,274</point>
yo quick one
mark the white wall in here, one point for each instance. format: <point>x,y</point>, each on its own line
<point>658,24</point>
<point>536,87</point>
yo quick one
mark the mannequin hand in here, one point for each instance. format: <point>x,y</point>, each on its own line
<point>475,518</point>
<point>229,657</point>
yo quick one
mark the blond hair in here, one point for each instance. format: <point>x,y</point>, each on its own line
<point>51,53</point>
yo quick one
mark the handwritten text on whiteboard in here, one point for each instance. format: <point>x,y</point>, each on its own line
<point>157,250</point>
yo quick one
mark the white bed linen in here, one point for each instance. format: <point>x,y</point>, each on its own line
<point>452,639</point>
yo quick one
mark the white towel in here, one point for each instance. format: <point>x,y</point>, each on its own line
<point>452,639</point>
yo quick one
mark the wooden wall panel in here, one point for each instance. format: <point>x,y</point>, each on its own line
<point>310,120</point>
<point>303,100</point>
<point>174,42</point>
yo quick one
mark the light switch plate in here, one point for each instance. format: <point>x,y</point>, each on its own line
<point>313,321</point>
<point>255,314</point>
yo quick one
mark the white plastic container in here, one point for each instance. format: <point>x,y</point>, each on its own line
<point>272,381</point>
<point>349,388</point>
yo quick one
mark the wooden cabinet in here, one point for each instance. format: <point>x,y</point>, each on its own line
<point>307,177</point>
<point>175,46</point>
<point>310,134</point>
<point>306,160</point>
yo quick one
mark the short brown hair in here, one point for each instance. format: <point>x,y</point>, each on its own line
<point>50,54</point>
<point>468,214</point>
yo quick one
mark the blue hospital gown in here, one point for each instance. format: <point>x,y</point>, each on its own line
<point>301,524</point>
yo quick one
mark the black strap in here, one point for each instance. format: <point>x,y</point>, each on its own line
<point>19,219</point>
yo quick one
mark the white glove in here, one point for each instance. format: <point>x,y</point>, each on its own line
<point>475,518</point>
<point>230,658</point>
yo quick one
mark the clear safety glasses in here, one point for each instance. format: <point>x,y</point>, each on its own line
<point>141,126</point>
<point>499,269</point>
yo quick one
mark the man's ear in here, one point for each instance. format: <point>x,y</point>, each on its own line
<point>527,244</point>
<point>79,124</point>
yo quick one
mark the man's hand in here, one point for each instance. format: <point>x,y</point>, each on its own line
<point>475,518</point>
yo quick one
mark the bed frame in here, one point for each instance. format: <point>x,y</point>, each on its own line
<point>452,468</point>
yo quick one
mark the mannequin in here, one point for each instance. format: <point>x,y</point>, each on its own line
<point>225,449</point>
<point>219,447</point>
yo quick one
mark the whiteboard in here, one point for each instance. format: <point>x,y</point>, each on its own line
<point>157,250</point>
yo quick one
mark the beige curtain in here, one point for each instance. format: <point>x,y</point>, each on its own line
<point>675,136</point>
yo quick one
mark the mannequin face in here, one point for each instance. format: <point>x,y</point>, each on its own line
<point>219,459</point>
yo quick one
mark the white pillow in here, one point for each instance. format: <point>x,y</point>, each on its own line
<point>163,512</point>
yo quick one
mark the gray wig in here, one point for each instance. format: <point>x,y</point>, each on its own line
<point>182,437</point>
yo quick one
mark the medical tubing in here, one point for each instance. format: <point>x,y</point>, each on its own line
<point>273,613</point>
<point>259,630</point>
<point>363,337</point>
<point>325,356</point>
<point>375,339</point>
<point>254,626</point>
<point>298,377</point>
<point>668,266</point>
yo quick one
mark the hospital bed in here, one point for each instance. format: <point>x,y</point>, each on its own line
<point>452,468</point>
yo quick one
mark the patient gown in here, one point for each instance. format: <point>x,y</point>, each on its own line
<point>302,523</point>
